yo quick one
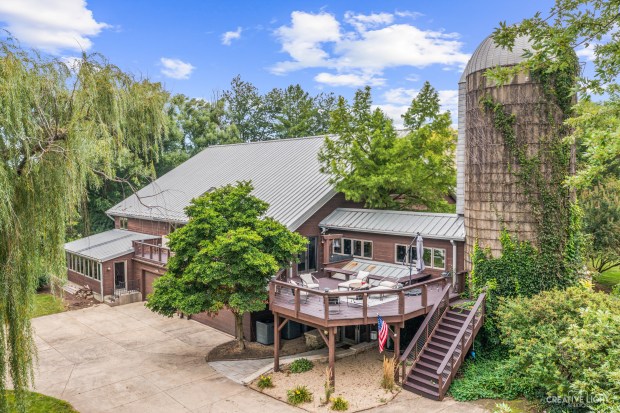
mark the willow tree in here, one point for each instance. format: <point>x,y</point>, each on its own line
<point>61,127</point>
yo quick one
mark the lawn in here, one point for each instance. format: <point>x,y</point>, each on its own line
<point>608,279</point>
<point>46,304</point>
<point>39,403</point>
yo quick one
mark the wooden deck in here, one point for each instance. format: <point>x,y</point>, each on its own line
<point>150,252</point>
<point>327,307</point>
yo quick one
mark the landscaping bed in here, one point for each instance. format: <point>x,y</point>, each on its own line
<point>358,381</point>
<point>230,350</point>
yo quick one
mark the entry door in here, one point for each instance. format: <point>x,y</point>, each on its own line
<point>308,259</point>
<point>119,275</point>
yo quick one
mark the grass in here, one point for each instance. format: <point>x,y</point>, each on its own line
<point>39,403</point>
<point>46,304</point>
<point>609,278</point>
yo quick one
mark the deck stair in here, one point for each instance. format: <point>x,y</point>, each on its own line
<point>439,347</point>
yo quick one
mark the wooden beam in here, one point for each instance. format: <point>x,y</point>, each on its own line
<point>332,355</point>
<point>282,324</point>
<point>276,342</point>
<point>323,336</point>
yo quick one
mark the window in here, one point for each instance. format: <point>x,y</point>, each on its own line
<point>427,256</point>
<point>439,258</point>
<point>367,249</point>
<point>308,259</point>
<point>347,246</point>
<point>337,246</point>
<point>123,222</point>
<point>356,247</point>
<point>85,266</point>
<point>433,257</point>
<point>401,253</point>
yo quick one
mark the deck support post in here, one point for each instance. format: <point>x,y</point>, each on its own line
<point>276,342</point>
<point>396,349</point>
<point>332,355</point>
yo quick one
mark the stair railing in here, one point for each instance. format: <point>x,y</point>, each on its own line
<point>419,341</point>
<point>456,354</point>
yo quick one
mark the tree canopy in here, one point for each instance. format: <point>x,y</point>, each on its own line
<point>62,128</point>
<point>369,161</point>
<point>224,256</point>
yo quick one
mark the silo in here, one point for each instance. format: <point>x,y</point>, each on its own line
<point>488,194</point>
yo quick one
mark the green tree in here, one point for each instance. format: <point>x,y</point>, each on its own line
<point>293,113</point>
<point>601,208</point>
<point>245,109</point>
<point>369,163</point>
<point>570,25</point>
<point>60,128</point>
<point>224,256</point>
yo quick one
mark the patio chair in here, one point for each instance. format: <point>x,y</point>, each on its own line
<point>361,276</point>
<point>309,281</point>
<point>302,294</point>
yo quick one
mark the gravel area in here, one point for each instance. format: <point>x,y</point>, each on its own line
<point>358,380</point>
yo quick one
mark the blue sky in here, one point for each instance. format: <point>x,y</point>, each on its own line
<point>197,47</point>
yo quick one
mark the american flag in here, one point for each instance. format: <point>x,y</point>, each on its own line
<point>383,333</point>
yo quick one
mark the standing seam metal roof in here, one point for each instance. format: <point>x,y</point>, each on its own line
<point>106,245</point>
<point>406,223</point>
<point>285,173</point>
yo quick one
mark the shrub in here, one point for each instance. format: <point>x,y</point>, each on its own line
<point>43,281</point>
<point>339,404</point>
<point>264,382</point>
<point>389,367</point>
<point>299,395</point>
<point>564,344</point>
<point>502,408</point>
<point>301,366</point>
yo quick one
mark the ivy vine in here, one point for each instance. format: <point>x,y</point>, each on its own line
<point>526,268</point>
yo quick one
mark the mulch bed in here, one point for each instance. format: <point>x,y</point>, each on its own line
<point>70,301</point>
<point>230,350</point>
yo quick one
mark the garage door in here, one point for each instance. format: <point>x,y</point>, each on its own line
<point>149,277</point>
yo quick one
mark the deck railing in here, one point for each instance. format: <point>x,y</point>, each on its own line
<point>431,321</point>
<point>456,354</point>
<point>325,307</point>
<point>151,252</point>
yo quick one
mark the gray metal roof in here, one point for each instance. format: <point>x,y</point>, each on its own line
<point>106,245</point>
<point>488,54</point>
<point>381,269</point>
<point>405,223</point>
<point>285,173</point>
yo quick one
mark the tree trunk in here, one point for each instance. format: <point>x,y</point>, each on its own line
<point>239,330</point>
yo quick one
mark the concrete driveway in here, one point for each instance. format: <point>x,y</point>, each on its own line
<point>128,359</point>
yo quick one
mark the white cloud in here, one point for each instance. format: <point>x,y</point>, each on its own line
<point>303,40</point>
<point>175,68</point>
<point>363,22</point>
<point>586,52</point>
<point>51,25</point>
<point>349,79</point>
<point>363,44</point>
<point>228,37</point>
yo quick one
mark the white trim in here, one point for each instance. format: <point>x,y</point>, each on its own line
<point>124,271</point>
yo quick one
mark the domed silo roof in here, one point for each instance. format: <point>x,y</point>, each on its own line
<point>489,54</point>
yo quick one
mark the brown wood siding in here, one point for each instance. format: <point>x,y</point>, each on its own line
<point>108,272</point>
<point>310,228</point>
<point>384,248</point>
<point>145,226</point>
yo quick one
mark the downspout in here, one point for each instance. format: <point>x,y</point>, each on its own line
<point>101,281</point>
<point>453,264</point>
